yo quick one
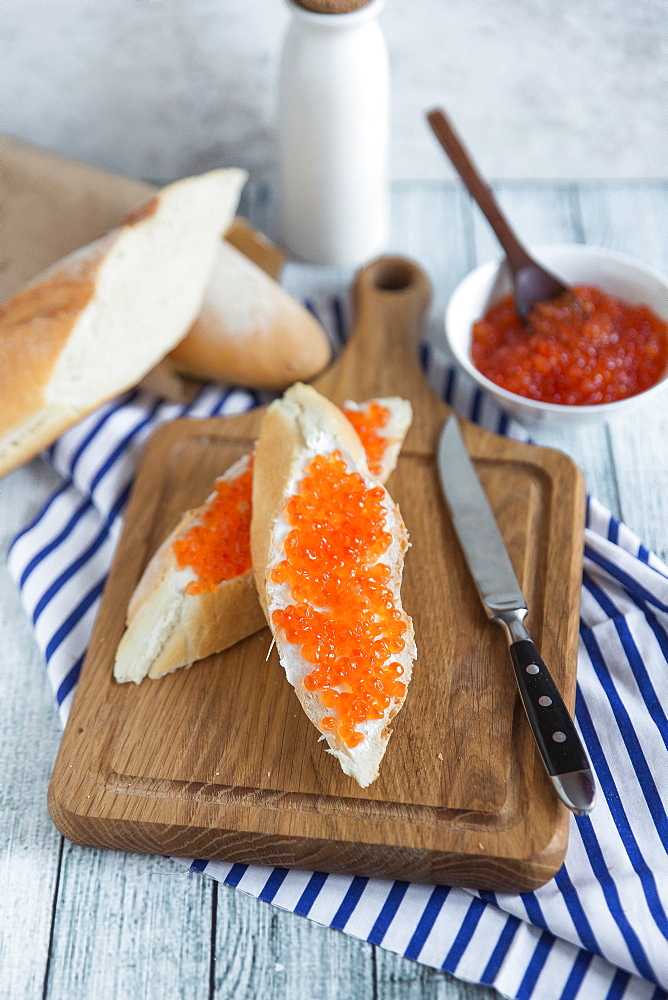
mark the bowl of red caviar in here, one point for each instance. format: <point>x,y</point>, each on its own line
<point>595,352</point>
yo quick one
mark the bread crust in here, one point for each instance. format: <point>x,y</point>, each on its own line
<point>250,331</point>
<point>35,325</point>
<point>291,431</point>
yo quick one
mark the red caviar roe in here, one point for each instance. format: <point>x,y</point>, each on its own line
<point>584,347</point>
<point>367,423</point>
<point>218,547</point>
<point>344,614</point>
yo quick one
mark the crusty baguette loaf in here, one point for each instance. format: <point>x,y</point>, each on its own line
<point>250,331</point>
<point>97,321</point>
<point>296,429</point>
<point>168,629</point>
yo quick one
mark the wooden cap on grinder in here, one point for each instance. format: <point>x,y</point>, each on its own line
<point>332,6</point>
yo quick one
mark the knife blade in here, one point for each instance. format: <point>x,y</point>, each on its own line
<point>487,558</point>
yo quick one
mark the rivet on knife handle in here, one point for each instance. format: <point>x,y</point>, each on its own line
<point>554,731</point>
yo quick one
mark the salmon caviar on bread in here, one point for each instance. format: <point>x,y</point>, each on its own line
<point>328,546</point>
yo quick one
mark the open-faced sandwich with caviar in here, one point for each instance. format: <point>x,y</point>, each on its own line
<point>328,547</point>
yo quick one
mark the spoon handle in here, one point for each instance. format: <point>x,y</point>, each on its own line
<point>479,191</point>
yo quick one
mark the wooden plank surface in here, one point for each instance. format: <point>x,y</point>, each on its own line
<point>636,222</point>
<point>125,928</point>
<point>29,733</point>
<point>38,922</point>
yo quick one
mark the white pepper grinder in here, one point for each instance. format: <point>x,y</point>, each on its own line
<point>333,132</point>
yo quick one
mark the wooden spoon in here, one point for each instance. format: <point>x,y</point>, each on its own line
<point>532,282</point>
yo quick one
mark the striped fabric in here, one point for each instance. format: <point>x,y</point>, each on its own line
<point>599,929</point>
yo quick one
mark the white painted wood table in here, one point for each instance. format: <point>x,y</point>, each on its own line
<point>78,923</point>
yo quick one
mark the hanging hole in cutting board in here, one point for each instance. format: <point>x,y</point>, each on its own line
<point>392,275</point>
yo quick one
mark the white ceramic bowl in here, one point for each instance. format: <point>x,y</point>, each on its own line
<point>615,273</point>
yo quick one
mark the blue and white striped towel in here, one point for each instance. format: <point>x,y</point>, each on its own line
<point>599,929</point>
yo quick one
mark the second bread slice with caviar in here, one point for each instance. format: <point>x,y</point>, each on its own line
<point>197,594</point>
<point>328,546</point>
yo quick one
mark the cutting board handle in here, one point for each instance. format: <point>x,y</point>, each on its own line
<point>391,296</point>
<point>393,293</point>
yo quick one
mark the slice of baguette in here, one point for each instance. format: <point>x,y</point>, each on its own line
<point>168,629</point>
<point>250,331</point>
<point>96,322</point>
<point>295,429</point>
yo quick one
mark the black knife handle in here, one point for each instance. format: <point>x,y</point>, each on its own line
<point>554,730</point>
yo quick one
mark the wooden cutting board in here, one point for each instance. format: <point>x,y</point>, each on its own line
<point>220,762</point>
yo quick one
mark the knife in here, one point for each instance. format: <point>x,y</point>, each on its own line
<point>487,558</point>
